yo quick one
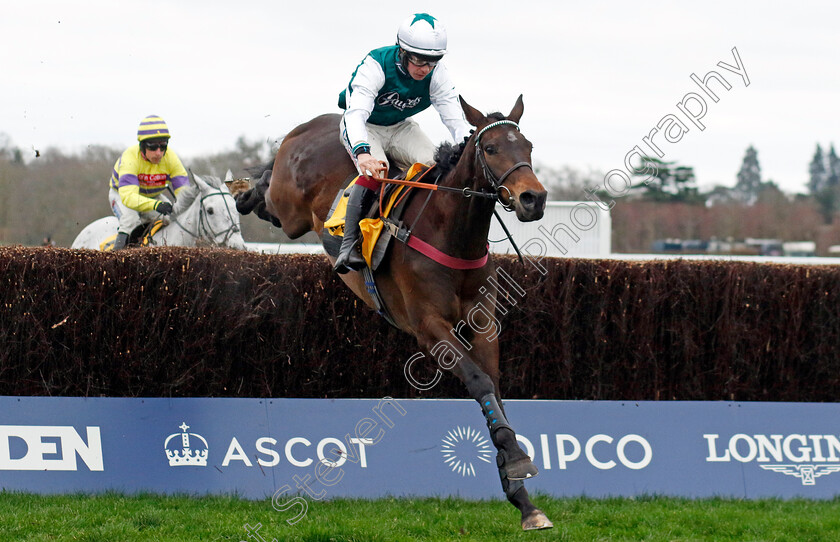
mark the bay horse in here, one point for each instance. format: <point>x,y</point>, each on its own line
<point>424,297</point>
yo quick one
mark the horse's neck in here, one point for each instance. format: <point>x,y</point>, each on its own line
<point>182,229</point>
<point>462,224</point>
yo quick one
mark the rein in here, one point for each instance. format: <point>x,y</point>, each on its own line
<point>466,192</point>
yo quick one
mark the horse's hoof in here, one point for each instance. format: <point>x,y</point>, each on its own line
<point>245,202</point>
<point>521,469</point>
<point>536,520</point>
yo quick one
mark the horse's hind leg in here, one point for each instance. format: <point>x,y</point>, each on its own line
<point>246,201</point>
<point>254,200</point>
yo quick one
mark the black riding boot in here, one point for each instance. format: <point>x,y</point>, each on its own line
<point>120,241</point>
<point>349,258</point>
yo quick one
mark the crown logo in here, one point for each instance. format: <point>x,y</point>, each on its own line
<point>193,448</point>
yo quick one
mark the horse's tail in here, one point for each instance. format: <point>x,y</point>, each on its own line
<point>254,199</point>
<point>258,172</point>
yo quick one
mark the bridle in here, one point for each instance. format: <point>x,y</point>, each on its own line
<point>205,231</point>
<point>497,183</point>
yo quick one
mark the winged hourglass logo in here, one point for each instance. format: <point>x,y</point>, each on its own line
<point>808,473</point>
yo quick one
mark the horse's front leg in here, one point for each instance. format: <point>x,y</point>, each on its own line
<point>478,370</point>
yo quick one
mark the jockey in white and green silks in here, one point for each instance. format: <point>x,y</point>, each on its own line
<point>386,89</point>
<point>141,175</point>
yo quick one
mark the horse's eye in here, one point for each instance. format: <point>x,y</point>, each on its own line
<point>490,149</point>
<point>210,211</point>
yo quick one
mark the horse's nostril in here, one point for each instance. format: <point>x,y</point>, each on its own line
<point>527,199</point>
<point>531,199</point>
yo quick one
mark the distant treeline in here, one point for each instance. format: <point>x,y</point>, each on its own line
<point>57,194</point>
<point>202,322</point>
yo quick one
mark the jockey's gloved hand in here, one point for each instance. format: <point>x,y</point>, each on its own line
<point>163,207</point>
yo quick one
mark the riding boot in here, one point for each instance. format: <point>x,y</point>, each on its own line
<point>349,257</point>
<point>120,241</point>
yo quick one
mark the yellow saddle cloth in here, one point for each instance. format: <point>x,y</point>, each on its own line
<point>371,228</point>
<point>107,245</point>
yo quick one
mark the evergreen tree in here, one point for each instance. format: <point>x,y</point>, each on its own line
<point>668,183</point>
<point>817,171</point>
<point>833,172</point>
<point>749,178</point>
<point>824,183</point>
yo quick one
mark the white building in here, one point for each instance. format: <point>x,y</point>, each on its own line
<point>568,229</point>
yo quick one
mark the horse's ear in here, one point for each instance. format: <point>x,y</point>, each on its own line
<point>228,176</point>
<point>473,115</point>
<point>201,183</point>
<point>516,112</point>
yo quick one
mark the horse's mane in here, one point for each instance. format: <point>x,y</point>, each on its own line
<point>186,197</point>
<point>448,154</point>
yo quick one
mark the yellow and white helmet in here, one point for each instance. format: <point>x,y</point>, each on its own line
<point>152,127</point>
<point>422,34</point>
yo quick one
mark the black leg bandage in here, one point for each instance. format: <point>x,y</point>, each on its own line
<point>510,487</point>
<point>493,414</point>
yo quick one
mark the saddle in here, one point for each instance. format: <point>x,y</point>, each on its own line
<point>375,229</point>
<point>140,236</point>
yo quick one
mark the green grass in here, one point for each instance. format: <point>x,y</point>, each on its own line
<point>151,517</point>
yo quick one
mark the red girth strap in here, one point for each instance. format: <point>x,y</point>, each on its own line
<point>451,262</point>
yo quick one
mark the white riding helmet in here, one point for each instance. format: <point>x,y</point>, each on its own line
<point>422,34</point>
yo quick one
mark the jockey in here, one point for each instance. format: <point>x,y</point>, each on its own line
<point>141,175</point>
<point>388,87</point>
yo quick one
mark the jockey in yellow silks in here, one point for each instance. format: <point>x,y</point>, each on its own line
<point>141,175</point>
<point>388,87</point>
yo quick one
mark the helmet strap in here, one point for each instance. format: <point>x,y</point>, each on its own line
<point>403,56</point>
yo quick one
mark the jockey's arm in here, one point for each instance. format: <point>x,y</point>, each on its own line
<point>361,96</point>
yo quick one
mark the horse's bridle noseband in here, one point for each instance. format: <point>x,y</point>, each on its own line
<point>203,224</point>
<point>497,182</point>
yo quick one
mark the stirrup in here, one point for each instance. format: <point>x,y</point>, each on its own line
<point>352,260</point>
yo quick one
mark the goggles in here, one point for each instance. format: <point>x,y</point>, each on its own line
<point>155,146</point>
<point>422,61</point>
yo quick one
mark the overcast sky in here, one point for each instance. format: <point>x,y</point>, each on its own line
<point>597,77</point>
